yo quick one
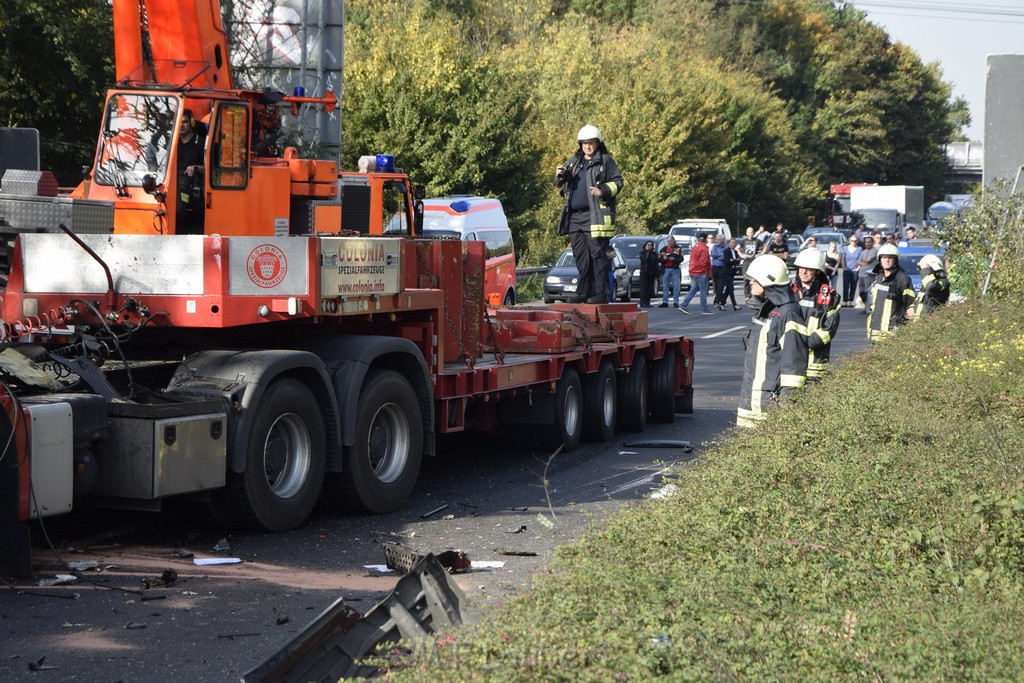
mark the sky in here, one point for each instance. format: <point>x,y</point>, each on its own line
<point>959,34</point>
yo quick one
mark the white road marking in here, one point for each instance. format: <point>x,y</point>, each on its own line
<point>719,334</point>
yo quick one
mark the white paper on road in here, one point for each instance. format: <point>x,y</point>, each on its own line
<point>201,561</point>
<point>474,564</point>
<point>382,568</point>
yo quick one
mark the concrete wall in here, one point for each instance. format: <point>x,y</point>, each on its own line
<point>1004,118</point>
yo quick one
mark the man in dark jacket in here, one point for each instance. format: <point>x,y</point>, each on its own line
<point>775,346</point>
<point>891,297</point>
<point>648,273</point>
<point>589,181</point>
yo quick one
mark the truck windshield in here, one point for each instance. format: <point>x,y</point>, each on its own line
<point>875,217</point>
<point>137,134</point>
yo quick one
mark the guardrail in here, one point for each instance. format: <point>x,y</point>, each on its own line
<point>527,273</point>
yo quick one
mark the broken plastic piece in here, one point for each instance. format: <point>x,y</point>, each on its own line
<point>82,566</point>
<point>222,544</point>
<point>203,561</point>
<point>58,580</point>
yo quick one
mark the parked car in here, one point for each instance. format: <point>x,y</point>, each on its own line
<point>630,246</point>
<point>691,227</point>
<point>564,278</point>
<point>793,246</point>
<point>824,238</point>
<point>911,256</point>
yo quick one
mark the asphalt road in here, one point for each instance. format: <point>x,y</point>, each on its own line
<point>217,622</point>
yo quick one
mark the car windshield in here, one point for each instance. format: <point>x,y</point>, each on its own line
<point>136,139</point>
<point>566,260</point>
<point>442,234</point>
<point>629,248</point>
<point>441,224</point>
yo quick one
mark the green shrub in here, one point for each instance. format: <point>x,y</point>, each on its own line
<point>872,528</point>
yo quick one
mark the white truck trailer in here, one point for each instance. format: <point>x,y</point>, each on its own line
<point>894,206</point>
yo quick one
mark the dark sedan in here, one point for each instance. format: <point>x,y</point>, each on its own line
<point>563,278</point>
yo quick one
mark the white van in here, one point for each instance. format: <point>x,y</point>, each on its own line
<point>471,218</point>
<point>691,227</point>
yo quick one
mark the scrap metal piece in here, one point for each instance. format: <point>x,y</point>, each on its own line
<point>423,601</point>
<point>402,558</point>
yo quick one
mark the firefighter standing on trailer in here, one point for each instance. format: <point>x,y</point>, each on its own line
<point>934,285</point>
<point>775,346</point>
<point>891,296</point>
<point>589,181</point>
<point>820,304</point>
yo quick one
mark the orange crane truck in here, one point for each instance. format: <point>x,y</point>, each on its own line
<point>297,343</point>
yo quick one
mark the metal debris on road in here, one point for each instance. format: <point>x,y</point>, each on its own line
<point>82,566</point>
<point>222,544</point>
<point>434,511</point>
<point>515,553</point>
<point>39,666</point>
<point>520,530</point>
<point>58,580</point>
<point>134,626</point>
<point>184,553</point>
<point>661,443</point>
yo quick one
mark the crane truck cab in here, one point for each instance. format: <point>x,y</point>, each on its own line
<point>468,218</point>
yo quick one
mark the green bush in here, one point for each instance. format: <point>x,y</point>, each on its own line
<point>986,244</point>
<point>872,528</point>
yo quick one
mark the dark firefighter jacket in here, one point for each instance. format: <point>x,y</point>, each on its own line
<point>820,305</point>
<point>890,297</point>
<point>934,292</point>
<point>600,172</point>
<point>775,354</point>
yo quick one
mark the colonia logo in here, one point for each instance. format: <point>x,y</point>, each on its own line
<point>266,266</point>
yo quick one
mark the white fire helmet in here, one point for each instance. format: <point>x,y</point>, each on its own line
<point>589,132</point>
<point>768,271</point>
<point>888,250</point>
<point>931,261</point>
<point>810,258</point>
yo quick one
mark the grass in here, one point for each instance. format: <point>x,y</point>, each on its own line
<point>873,528</point>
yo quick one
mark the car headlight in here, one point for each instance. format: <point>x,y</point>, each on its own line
<point>553,279</point>
<point>636,273</point>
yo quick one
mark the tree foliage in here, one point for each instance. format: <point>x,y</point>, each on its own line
<point>56,61</point>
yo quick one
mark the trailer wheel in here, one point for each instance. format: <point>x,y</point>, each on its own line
<point>566,428</point>
<point>663,392</point>
<point>284,464</point>
<point>381,467</point>
<point>632,397</point>
<point>599,404</point>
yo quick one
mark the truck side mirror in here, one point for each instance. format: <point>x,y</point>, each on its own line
<point>148,184</point>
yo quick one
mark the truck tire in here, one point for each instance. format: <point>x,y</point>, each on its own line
<point>284,463</point>
<point>662,394</point>
<point>565,430</point>
<point>380,469</point>
<point>632,399</point>
<point>599,404</point>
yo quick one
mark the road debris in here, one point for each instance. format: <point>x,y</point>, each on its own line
<point>58,580</point>
<point>666,491</point>
<point>204,561</point>
<point>520,530</point>
<point>222,544</point>
<point>168,577</point>
<point>39,666</point>
<point>134,626</point>
<point>433,512</point>
<point>660,443</point>
<point>515,553</point>
<point>232,636</point>
<point>282,619</point>
<point>402,558</point>
<point>83,566</point>
<point>330,647</point>
<point>183,553</point>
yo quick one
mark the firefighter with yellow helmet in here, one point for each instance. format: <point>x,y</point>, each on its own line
<point>589,183</point>
<point>891,296</point>
<point>934,285</point>
<point>820,305</point>
<point>775,346</point>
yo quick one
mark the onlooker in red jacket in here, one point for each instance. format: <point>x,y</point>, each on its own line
<point>700,271</point>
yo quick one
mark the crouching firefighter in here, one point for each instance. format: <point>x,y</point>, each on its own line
<point>891,296</point>
<point>820,305</point>
<point>775,346</point>
<point>934,285</point>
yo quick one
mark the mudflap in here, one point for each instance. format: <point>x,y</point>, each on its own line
<point>423,601</point>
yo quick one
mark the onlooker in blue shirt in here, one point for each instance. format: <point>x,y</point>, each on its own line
<point>850,257</point>
<point>720,270</point>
